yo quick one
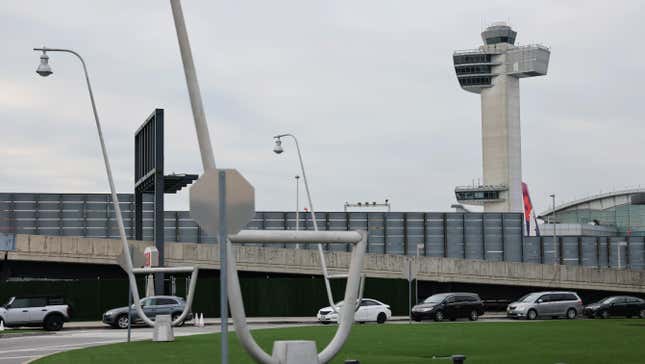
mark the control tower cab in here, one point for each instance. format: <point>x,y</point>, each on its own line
<point>493,70</point>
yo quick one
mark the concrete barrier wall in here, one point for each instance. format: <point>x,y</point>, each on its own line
<point>278,260</point>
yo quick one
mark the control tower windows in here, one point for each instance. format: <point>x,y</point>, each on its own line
<point>472,58</point>
<point>477,195</point>
<point>474,81</point>
<point>464,70</point>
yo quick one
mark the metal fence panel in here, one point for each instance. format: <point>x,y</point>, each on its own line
<point>492,236</point>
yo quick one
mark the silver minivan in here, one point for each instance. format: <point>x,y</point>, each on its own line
<point>546,304</point>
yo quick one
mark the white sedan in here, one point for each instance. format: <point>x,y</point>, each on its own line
<point>370,310</point>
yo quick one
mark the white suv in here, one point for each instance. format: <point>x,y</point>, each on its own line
<point>45,311</point>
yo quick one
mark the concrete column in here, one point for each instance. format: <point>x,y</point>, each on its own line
<point>501,139</point>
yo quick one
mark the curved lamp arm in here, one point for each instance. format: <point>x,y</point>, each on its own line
<point>116,206</point>
<point>330,296</point>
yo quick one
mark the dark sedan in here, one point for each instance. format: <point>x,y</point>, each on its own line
<point>616,306</point>
<point>449,305</point>
<point>152,306</point>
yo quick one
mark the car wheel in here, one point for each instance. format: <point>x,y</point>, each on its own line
<point>531,315</point>
<point>122,321</point>
<point>380,319</point>
<point>571,313</point>
<point>604,314</point>
<point>642,314</point>
<point>176,316</point>
<point>474,315</point>
<point>53,322</point>
<point>416,319</point>
<point>438,316</point>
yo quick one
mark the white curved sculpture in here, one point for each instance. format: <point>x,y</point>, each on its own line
<point>359,239</point>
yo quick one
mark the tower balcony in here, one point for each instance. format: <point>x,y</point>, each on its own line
<point>478,195</point>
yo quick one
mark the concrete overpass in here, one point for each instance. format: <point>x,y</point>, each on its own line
<point>62,249</point>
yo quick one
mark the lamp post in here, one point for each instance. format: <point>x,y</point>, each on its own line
<point>45,70</point>
<point>277,149</point>
<point>555,235</point>
<point>297,204</point>
<point>416,281</point>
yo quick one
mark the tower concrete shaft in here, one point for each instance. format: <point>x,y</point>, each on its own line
<point>493,71</point>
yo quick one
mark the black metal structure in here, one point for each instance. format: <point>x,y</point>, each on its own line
<point>149,178</point>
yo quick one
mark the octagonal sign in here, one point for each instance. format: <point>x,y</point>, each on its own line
<point>204,201</point>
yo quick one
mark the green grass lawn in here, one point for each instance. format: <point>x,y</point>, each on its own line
<point>558,341</point>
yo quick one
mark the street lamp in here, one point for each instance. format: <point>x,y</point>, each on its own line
<point>45,70</point>
<point>555,236</point>
<point>277,149</point>
<point>420,246</point>
<point>297,204</point>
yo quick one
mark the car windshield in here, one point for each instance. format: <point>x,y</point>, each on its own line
<point>531,297</point>
<point>608,300</point>
<point>437,298</point>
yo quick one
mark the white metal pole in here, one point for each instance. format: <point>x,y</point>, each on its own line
<point>208,159</point>
<point>410,292</point>
<point>416,279</point>
<point>297,203</point>
<point>203,136</point>
<point>297,206</point>
<point>223,242</point>
<point>555,238</point>
<point>323,264</point>
<point>618,254</point>
<point>115,199</point>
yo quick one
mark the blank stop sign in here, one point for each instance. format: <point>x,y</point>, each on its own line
<point>204,201</point>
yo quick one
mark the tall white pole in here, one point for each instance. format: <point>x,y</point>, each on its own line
<point>330,297</point>
<point>555,236</point>
<point>203,136</point>
<point>297,204</point>
<point>208,160</point>
<point>115,199</point>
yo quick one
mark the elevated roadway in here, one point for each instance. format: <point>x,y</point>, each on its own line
<point>302,261</point>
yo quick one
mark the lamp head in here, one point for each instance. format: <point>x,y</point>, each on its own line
<point>43,68</point>
<point>277,148</point>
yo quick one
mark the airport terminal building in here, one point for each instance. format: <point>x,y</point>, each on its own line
<point>617,213</point>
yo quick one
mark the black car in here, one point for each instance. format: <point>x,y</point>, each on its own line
<point>616,306</point>
<point>449,305</point>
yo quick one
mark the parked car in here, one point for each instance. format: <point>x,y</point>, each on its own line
<point>546,304</point>
<point>449,305</point>
<point>370,310</point>
<point>50,312</point>
<point>616,306</point>
<point>152,306</point>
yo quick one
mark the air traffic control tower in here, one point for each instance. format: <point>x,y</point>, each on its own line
<point>494,71</point>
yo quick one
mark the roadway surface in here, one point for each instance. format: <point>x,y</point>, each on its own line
<point>16,350</point>
<point>75,335</point>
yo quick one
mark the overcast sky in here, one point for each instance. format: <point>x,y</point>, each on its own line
<point>367,86</point>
